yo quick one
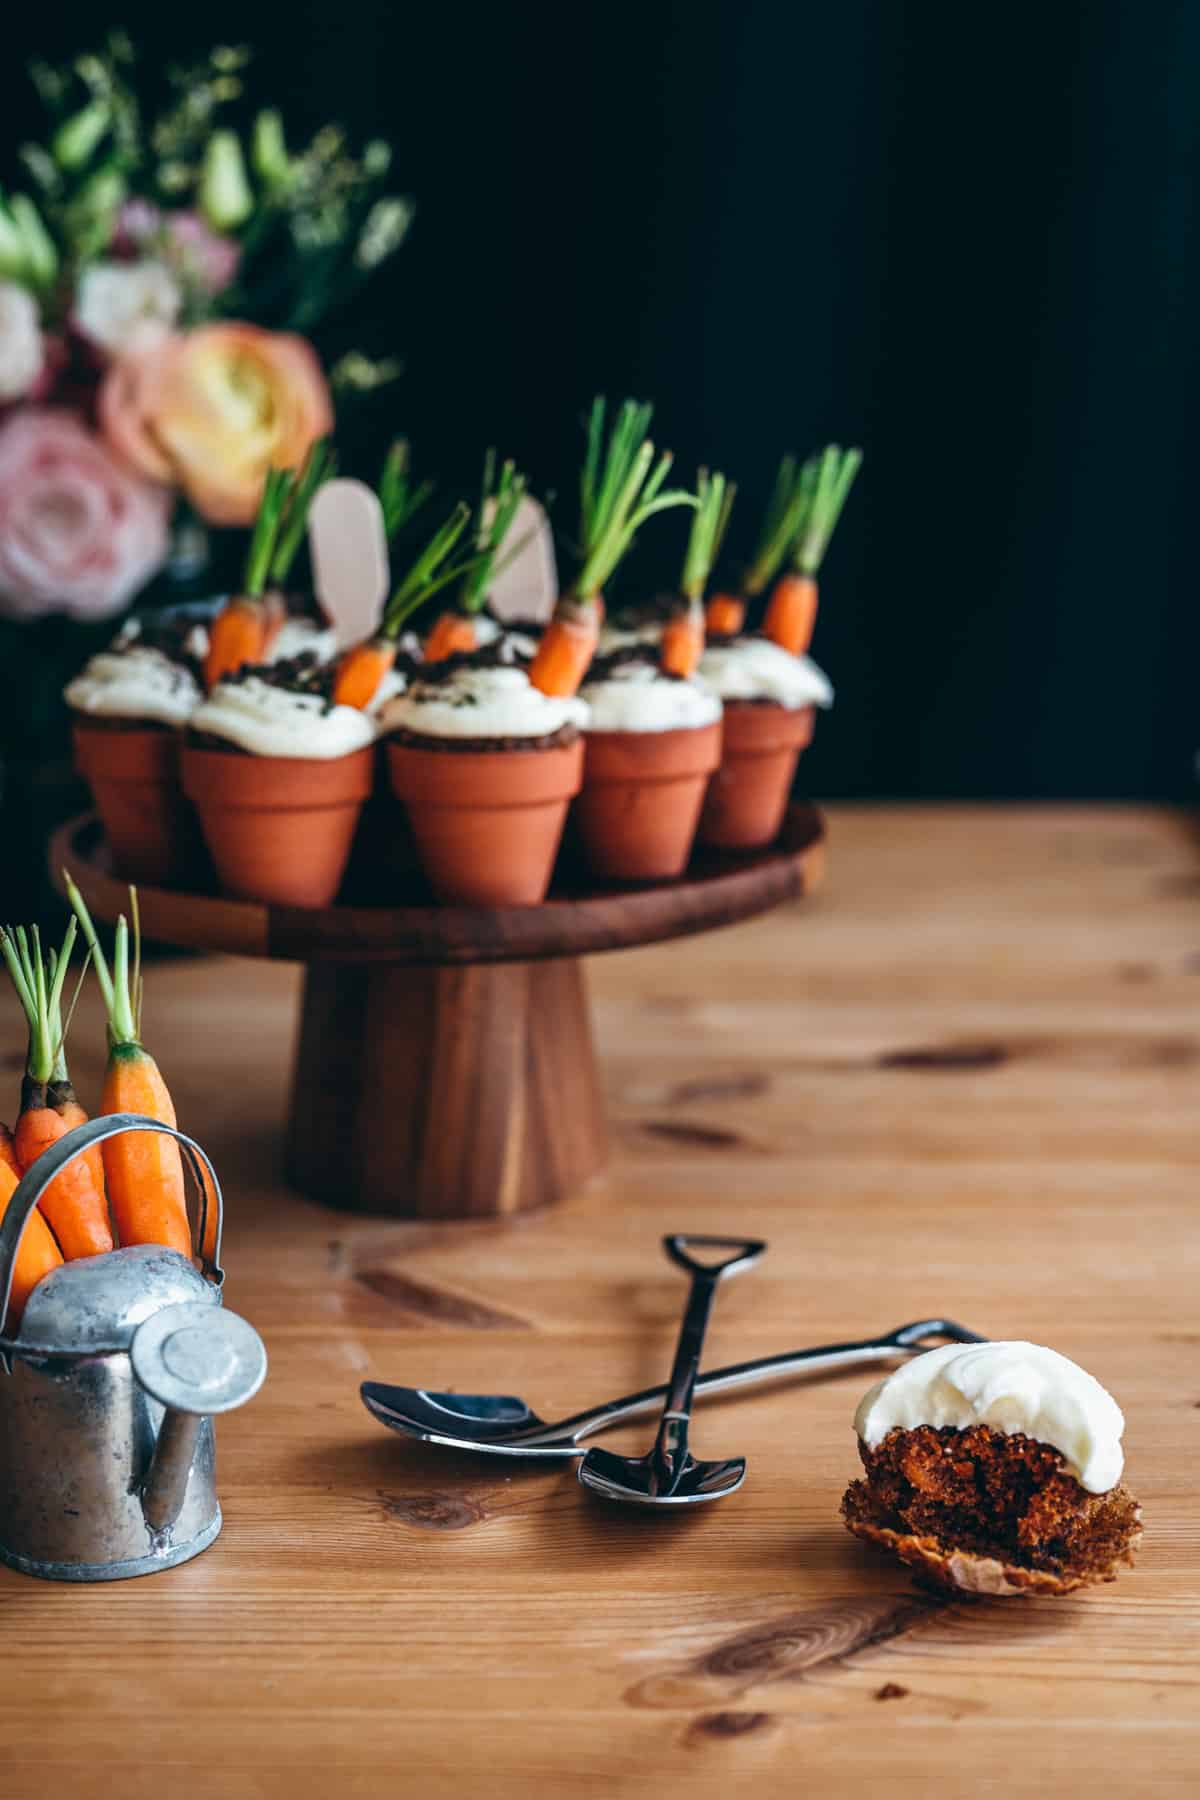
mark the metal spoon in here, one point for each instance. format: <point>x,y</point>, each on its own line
<point>504,1425</point>
<point>669,1475</point>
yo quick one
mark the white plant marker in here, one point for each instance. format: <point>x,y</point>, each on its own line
<point>526,587</point>
<point>349,557</point>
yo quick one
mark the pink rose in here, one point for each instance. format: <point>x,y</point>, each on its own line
<point>79,532</point>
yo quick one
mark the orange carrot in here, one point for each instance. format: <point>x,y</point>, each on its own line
<point>792,612</point>
<point>725,615</point>
<point>361,670</point>
<point>74,1205</point>
<point>241,633</point>
<point>143,1172</point>
<point>65,1103</point>
<point>566,648</point>
<point>453,634</point>
<point>37,1255</point>
<point>682,643</point>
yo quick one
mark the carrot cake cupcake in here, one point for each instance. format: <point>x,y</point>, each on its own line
<point>129,705</point>
<point>995,1468</point>
<point>279,773</point>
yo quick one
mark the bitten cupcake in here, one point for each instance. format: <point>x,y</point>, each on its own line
<point>279,773</point>
<point>129,706</point>
<point>995,1468</point>
<point>770,687</point>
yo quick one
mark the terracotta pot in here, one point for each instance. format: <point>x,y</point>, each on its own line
<point>279,827</point>
<point>133,772</point>
<point>641,799</point>
<point>487,823</point>
<point>748,795</point>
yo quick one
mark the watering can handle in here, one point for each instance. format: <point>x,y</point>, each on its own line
<point>51,1162</point>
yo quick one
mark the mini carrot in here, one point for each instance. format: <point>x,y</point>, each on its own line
<point>683,635</point>
<point>243,630</point>
<point>36,1255</point>
<point>364,666</point>
<point>143,1172</point>
<point>74,1205</point>
<point>620,487</point>
<point>455,632</point>
<point>725,615</point>
<point>825,482</point>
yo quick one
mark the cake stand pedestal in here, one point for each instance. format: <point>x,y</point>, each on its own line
<point>445,1067</point>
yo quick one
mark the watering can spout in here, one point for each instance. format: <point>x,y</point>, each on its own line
<point>165,1486</point>
<point>195,1360</point>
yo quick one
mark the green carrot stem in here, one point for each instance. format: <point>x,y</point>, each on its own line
<point>266,529</point>
<point>785,514</point>
<point>831,475</point>
<point>704,537</point>
<point>498,505</point>
<point>398,497</point>
<point>114,983</point>
<point>620,487</point>
<point>39,984</point>
<point>431,571</point>
<point>319,466</point>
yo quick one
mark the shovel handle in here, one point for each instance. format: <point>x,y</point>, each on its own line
<point>743,1251</point>
<point>51,1162</point>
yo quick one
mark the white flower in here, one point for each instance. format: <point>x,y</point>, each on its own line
<point>127,306</point>
<point>21,354</point>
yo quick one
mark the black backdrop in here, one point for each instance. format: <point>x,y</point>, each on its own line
<point>956,234</point>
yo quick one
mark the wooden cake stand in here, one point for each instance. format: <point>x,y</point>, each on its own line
<point>445,1067</point>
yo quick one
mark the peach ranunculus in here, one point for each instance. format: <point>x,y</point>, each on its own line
<point>213,409</point>
<point>79,532</point>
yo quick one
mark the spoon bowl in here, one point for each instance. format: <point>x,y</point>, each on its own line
<point>635,1480</point>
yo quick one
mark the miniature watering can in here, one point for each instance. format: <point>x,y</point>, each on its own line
<point>107,1393</point>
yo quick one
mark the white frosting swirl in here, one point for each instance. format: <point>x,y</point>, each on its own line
<point>639,697</point>
<point>275,721</point>
<point>135,683</point>
<point>752,668</point>
<point>516,643</point>
<point>1013,1387</point>
<point>481,703</point>
<point>300,637</point>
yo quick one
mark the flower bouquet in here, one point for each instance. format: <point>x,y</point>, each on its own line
<point>170,274</point>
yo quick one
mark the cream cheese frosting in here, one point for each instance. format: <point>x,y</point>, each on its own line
<point>135,683</point>
<point>1013,1387</point>
<point>753,668</point>
<point>279,721</point>
<point>522,645</point>
<point>303,637</point>
<point>637,696</point>
<point>484,702</point>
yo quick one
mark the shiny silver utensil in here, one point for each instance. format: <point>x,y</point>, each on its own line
<point>668,1474</point>
<point>504,1425</point>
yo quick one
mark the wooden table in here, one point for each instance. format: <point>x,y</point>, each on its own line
<point>964,1078</point>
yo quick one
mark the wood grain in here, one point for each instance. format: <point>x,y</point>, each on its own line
<point>376,1620</point>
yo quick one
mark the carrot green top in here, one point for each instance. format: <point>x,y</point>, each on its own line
<point>620,487</point>
<point>122,993</point>
<point>39,983</point>
<point>399,496</point>
<point>710,521</point>
<point>825,482</point>
<point>431,570</point>
<point>282,519</point>
<point>499,499</point>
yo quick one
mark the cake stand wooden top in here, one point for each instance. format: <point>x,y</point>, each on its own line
<point>576,920</point>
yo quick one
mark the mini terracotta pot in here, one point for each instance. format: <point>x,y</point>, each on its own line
<point>279,827</point>
<point>748,795</point>
<point>133,772</point>
<point>641,799</point>
<point>487,823</point>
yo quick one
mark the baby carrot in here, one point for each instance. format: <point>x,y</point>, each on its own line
<point>453,634</point>
<point>725,615</point>
<point>37,1255</point>
<point>825,481</point>
<point>361,671</point>
<point>241,633</point>
<point>682,643</point>
<point>792,612</point>
<point>74,1205</point>
<point>620,487</point>
<point>143,1172</point>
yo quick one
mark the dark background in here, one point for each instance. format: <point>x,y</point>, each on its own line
<point>959,235</point>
